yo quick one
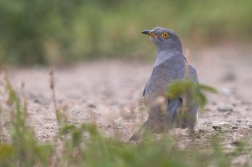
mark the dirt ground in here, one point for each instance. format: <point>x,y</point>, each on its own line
<point>108,93</point>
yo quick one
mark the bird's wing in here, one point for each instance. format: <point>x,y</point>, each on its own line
<point>162,75</point>
<point>192,105</point>
<point>155,81</point>
<point>174,106</point>
<point>156,86</point>
<point>163,115</point>
<point>193,74</point>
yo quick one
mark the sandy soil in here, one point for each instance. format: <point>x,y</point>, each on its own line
<point>108,93</point>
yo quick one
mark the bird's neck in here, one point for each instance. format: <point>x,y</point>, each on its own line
<point>166,55</point>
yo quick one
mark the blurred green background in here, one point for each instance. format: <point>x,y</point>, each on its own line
<point>64,31</point>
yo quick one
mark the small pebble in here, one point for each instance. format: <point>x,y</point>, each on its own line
<point>208,123</point>
<point>225,107</point>
<point>238,120</point>
<point>92,105</point>
<point>214,103</point>
<point>250,126</point>
<point>37,101</point>
<point>96,112</point>
<point>216,127</point>
<point>118,120</point>
<point>207,109</point>
<point>225,125</point>
<point>226,91</point>
<point>234,127</point>
<point>199,131</point>
<point>229,76</point>
<point>236,142</point>
<point>222,125</point>
<point>118,127</point>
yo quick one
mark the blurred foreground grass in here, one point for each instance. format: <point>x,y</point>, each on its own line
<point>83,145</point>
<point>62,31</point>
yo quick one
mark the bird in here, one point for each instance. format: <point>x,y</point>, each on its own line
<point>170,65</point>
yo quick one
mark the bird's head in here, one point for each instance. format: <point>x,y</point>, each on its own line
<point>164,39</point>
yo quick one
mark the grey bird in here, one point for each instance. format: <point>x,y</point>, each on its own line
<point>170,65</point>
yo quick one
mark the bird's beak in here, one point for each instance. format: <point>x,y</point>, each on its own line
<point>146,32</point>
<point>149,32</point>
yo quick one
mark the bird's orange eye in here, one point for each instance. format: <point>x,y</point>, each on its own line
<point>165,35</point>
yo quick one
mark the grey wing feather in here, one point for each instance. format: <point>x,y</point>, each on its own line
<point>193,74</point>
<point>173,106</point>
<point>194,106</point>
<point>162,75</point>
<point>162,118</point>
<point>170,117</point>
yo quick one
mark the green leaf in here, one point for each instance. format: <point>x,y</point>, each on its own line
<point>200,99</point>
<point>208,88</point>
<point>189,88</point>
<point>177,88</point>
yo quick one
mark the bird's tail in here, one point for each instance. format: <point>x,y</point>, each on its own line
<point>148,128</point>
<point>141,132</point>
<point>157,120</point>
